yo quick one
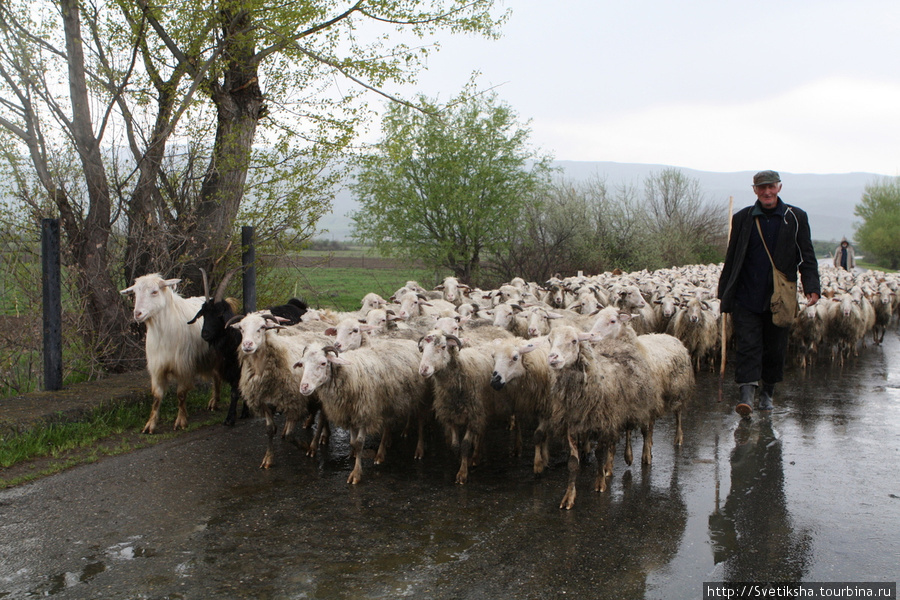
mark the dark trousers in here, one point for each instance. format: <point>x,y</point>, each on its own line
<point>760,347</point>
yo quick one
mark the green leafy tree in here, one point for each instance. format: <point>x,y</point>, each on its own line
<point>447,185</point>
<point>879,232</point>
<point>150,128</point>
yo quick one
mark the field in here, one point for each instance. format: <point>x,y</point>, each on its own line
<point>339,280</point>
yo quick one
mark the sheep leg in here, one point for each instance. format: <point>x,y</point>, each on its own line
<point>574,464</point>
<point>517,442</point>
<point>477,449</point>
<point>512,422</point>
<point>357,444</point>
<point>605,458</point>
<point>407,427</point>
<point>353,442</point>
<point>289,424</point>
<point>309,420</point>
<point>384,445</point>
<point>269,458</point>
<point>454,437</point>
<point>321,435</point>
<point>465,452</point>
<point>647,451</point>
<point>629,453</point>
<point>420,445</point>
<point>679,433</point>
<point>540,448</point>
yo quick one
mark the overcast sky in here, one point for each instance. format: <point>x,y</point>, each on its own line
<point>716,85</point>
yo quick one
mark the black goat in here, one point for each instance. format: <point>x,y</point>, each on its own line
<point>217,313</point>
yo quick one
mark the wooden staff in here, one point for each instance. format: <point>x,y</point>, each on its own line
<point>724,325</point>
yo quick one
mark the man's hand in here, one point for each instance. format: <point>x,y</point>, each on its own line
<point>812,299</point>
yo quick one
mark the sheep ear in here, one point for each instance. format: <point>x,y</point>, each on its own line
<point>526,348</point>
<point>337,360</point>
<point>584,336</point>
<point>170,282</point>
<point>128,290</point>
<point>331,331</point>
<point>553,315</point>
<point>625,317</point>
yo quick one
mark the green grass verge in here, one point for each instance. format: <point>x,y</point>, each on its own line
<point>107,430</point>
<point>343,288</point>
<point>874,267</point>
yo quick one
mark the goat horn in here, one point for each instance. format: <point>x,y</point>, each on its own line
<point>233,320</point>
<point>205,284</point>
<point>220,291</point>
<point>328,349</point>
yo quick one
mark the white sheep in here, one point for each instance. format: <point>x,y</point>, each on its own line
<point>696,325</point>
<point>669,361</point>
<point>599,390</point>
<point>267,354</point>
<point>522,370</point>
<point>367,390</point>
<point>464,401</point>
<point>174,349</point>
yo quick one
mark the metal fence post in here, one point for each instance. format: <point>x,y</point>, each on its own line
<point>248,260</point>
<point>52,304</point>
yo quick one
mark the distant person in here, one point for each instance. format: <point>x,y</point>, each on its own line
<point>745,286</point>
<point>844,256</point>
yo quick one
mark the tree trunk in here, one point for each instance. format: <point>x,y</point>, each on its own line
<point>106,327</point>
<point>239,105</point>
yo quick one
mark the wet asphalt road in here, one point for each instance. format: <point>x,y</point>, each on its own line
<point>810,493</point>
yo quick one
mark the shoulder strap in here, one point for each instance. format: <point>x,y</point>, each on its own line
<point>763,239</point>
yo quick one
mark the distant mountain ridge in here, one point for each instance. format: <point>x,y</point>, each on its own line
<point>829,199</point>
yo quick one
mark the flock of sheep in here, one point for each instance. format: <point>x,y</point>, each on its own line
<point>586,359</point>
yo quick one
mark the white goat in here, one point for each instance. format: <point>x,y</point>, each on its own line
<point>175,351</point>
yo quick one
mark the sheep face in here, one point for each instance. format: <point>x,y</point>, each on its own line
<point>348,335</point>
<point>504,314</point>
<point>668,306</point>
<point>609,323</point>
<point>152,294</point>
<point>411,305</point>
<point>450,287</point>
<point>436,348</point>
<point>371,301</point>
<point>448,325</point>
<point>564,346</point>
<point>538,322</point>
<point>508,364</point>
<point>631,297</point>
<point>253,329</point>
<point>315,363</point>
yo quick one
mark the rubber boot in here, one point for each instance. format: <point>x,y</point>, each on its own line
<point>745,406</point>
<point>766,393</point>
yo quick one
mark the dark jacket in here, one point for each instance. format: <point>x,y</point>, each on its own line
<point>793,251</point>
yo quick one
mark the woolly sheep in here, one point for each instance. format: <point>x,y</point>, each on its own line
<point>598,390</point>
<point>464,401</point>
<point>367,390</point>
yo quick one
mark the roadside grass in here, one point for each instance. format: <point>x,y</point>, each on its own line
<point>874,267</point>
<point>107,430</point>
<point>342,288</point>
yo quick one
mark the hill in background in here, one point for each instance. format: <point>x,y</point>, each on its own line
<point>828,199</point>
